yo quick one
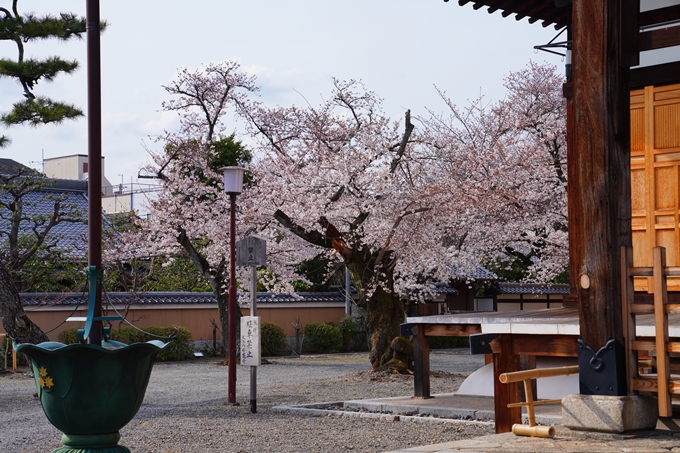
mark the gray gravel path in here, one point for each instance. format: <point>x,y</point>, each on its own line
<point>185,408</point>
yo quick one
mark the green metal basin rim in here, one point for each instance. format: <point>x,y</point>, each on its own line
<point>110,347</point>
<point>84,441</point>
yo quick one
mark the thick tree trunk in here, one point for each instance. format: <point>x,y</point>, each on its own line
<point>384,314</point>
<point>14,319</point>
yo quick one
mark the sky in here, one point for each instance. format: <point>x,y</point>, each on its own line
<point>400,49</point>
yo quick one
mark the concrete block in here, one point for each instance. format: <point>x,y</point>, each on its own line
<point>610,414</point>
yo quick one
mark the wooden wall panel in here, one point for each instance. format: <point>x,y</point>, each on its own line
<point>637,182</point>
<point>637,130</point>
<point>655,181</point>
<point>665,196</point>
<point>667,136</point>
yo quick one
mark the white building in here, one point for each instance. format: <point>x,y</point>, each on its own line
<point>76,166</point>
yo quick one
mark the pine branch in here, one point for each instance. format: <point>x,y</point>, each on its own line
<point>39,111</point>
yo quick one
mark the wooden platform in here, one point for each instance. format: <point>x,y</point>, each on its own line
<point>514,337</point>
<point>552,321</point>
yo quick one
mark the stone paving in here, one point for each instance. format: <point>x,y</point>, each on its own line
<point>565,441</point>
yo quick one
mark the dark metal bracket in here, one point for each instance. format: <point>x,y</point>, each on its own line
<point>602,372</point>
<point>406,329</point>
<point>480,343</point>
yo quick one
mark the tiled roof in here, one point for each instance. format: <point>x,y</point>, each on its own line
<point>157,298</point>
<point>533,288</point>
<point>442,288</point>
<point>9,166</point>
<point>70,236</point>
<point>548,12</point>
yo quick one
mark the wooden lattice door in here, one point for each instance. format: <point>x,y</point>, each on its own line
<point>655,169</point>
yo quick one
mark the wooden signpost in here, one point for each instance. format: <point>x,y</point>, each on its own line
<point>251,252</point>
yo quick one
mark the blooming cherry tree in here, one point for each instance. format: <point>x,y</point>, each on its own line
<point>508,160</point>
<point>403,204</point>
<point>189,214</point>
<point>346,179</point>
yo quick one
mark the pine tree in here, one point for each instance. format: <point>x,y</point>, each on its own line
<point>22,29</point>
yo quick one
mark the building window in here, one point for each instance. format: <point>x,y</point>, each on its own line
<point>85,167</point>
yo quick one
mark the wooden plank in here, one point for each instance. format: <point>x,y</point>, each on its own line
<point>650,345</point>
<point>651,385</point>
<point>630,30</point>
<point>646,309</point>
<point>659,39</point>
<point>663,366</point>
<point>421,365</point>
<point>544,345</point>
<point>669,271</point>
<point>505,362</point>
<point>628,318</point>
<point>643,345</point>
<point>641,309</point>
<point>450,330</point>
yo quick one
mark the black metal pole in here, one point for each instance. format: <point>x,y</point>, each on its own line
<point>231,315</point>
<point>94,153</point>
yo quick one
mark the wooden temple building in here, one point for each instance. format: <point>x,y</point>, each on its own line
<point>623,165</point>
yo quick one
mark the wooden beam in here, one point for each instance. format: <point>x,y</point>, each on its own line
<point>650,384</point>
<point>662,74</point>
<point>659,16</point>
<point>421,366</point>
<point>663,364</point>
<point>659,38</point>
<point>545,345</point>
<point>599,191</point>
<point>449,330</point>
<point>630,55</point>
<point>506,362</point>
<point>537,345</point>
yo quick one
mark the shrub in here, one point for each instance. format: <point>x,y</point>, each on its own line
<point>68,336</point>
<point>354,335</point>
<point>449,342</point>
<point>273,339</point>
<point>322,338</point>
<point>178,349</point>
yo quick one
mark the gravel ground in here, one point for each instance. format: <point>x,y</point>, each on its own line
<point>185,408</point>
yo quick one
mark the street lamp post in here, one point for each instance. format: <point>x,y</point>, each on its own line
<point>233,185</point>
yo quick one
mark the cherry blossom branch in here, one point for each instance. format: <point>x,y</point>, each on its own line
<point>313,237</point>
<point>393,230</point>
<point>408,129</point>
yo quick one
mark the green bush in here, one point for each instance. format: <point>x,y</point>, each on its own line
<point>272,339</point>
<point>354,335</point>
<point>322,338</point>
<point>68,336</point>
<point>449,342</point>
<point>179,348</point>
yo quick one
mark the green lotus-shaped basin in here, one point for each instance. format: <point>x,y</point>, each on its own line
<point>90,392</point>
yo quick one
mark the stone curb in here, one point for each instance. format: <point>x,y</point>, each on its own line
<point>308,409</point>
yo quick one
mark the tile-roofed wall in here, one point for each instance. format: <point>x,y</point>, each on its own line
<point>157,298</point>
<point>533,288</point>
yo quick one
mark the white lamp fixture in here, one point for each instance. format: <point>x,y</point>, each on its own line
<point>233,179</point>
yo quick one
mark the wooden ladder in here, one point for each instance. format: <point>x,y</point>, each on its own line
<point>659,383</point>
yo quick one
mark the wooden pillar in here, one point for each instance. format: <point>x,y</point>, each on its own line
<point>421,364</point>
<point>505,362</point>
<point>599,169</point>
